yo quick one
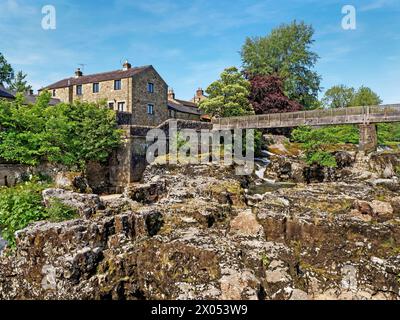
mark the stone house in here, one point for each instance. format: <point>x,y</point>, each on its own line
<point>30,98</point>
<point>138,92</point>
<point>181,109</point>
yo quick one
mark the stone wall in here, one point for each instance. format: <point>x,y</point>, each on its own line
<point>141,98</point>
<point>368,137</point>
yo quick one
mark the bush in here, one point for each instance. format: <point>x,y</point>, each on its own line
<point>20,206</point>
<point>317,141</point>
<point>322,158</point>
<point>23,204</point>
<point>67,134</point>
<point>58,211</point>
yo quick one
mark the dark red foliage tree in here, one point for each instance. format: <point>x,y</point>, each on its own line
<point>267,96</point>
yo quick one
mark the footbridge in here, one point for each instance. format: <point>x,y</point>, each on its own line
<point>365,117</point>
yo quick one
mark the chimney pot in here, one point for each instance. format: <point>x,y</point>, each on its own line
<point>200,92</point>
<point>171,94</point>
<point>78,73</point>
<point>126,65</point>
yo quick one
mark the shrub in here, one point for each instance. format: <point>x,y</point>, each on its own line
<point>67,134</point>
<point>317,141</point>
<point>58,211</point>
<point>322,158</point>
<point>20,206</point>
<point>23,204</point>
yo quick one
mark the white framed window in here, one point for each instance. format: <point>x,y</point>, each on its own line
<point>150,109</point>
<point>121,106</point>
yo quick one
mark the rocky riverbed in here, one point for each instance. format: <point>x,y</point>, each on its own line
<point>201,232</point>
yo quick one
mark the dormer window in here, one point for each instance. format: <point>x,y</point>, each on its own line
<point>150,87</point>
<point>79,90</point>
<point>117,84</point>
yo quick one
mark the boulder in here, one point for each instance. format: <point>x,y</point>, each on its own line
<point>344,159</point>
<point>381,208</point>
<point>86,204</point>
<point>246,225</point>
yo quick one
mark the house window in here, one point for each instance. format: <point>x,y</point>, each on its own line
<point>150,109</point>
<point>54,93</point>
<point>121,106</point>
<point>117,84</point>
<point>79,90</point>
<point>96,88</point>
<point>150,87</point>
<point>111,105</point>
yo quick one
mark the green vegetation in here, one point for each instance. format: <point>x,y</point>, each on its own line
<point>66,134</point>
<point>317,142</point>
<point>286,52</point>
<point>23,204</point>
<point>341,96</point>
<point>228,96</point>
<point>58,211</point>
<point>19,206</point>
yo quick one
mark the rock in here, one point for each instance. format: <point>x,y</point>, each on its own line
<point>3,243</point>
<point>277,276</point>
<point>390,184</point>
<point>344,159</point>
<point>381,208</point>
<point>145,193</point>
<point>395,202</point>
<point>239,285</point>
<point>86,204</point>
<point>299,295</point>
<point>245,225</point>
<point>364,207</point>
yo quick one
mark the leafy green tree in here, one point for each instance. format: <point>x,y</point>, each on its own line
<point>228,96</point>
<point>286,52</point>
<point>365,97</point>
<point>6,71</point>
<point>66,134</point>
<point>338,97</point>
<point>19,84</point>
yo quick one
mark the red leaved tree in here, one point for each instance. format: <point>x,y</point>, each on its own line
<point>267,96</point>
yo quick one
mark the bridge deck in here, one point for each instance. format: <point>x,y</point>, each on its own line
<point>354,115</point>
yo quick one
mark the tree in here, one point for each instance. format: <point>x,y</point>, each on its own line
<point>338,96</point>
<point>365,97</point>
<point>6,71</point>
<point>267,96</point>
<point>67,134</point>
<point>228,96</point>
<point>19,84</point>
<point>286,52</point>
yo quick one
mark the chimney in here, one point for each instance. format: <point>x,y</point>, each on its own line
<point>171,94</point>
<point>126,65</point>
<point>199,92</point>
<point>78,73</point>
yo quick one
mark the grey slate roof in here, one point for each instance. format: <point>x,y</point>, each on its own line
<point>4,93</point>
<point>190,108</point>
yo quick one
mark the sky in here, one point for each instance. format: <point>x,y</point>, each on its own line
<point>191,42</point>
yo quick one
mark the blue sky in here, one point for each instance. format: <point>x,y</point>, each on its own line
<point>191,42</point>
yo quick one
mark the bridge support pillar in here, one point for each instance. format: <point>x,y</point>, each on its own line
<point>368,138</point>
